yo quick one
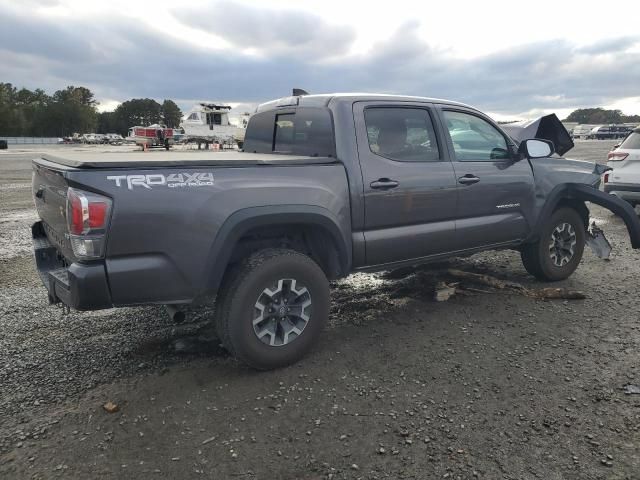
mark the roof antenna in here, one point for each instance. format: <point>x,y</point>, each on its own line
<point>297,92</point>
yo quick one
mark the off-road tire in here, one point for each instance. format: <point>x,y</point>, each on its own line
<point>236,306</point>
<point>536,257</point>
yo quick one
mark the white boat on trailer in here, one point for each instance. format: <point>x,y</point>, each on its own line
<point>208,124</point>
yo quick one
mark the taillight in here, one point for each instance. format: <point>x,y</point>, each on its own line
<point>98,214</point>
<point>606,177</point>
<point>616,156</point>
<point>75,212</point>
<point>87,219</point>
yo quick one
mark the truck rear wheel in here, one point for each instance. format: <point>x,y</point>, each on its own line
<point>557,253</point>
<point>272,308</point>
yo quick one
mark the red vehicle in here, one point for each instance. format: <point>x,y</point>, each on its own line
<point>152,136</point>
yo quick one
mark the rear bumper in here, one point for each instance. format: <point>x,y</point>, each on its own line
<point>79,286</point>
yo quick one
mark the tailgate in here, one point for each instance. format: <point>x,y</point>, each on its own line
<point>49,187</point>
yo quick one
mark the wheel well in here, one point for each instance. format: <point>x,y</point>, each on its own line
<point>308,239</point>
<point>577,205</point>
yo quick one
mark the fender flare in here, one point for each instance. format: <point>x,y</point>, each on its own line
<point>616,205</point>
<point>240,222</point>
<point>587,193</point>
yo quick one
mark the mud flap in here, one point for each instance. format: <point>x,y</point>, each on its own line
<point>598,243</point>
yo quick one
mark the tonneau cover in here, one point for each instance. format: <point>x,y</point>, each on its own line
<point>153,159</point>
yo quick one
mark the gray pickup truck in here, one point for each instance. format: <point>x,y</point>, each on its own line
<point>326,185</point>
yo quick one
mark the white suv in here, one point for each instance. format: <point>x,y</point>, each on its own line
<point>624,180</point>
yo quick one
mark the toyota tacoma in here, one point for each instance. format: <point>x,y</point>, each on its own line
<point>326,185</point>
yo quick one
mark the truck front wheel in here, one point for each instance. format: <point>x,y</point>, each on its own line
<point>272,308</point>
<point>557,253</point>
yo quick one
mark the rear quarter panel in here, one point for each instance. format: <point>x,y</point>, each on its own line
<point>160,237</point>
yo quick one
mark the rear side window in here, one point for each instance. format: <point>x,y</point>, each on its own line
<point>306,131</point>
<point>402,134</point>
<point>632,141</point>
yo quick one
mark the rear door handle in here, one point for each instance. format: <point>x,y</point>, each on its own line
<point>468,179</point>
<point>384,184</point>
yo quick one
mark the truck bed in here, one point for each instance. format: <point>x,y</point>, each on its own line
<point>141,159</point>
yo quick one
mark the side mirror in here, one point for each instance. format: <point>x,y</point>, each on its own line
<point>536,148</point>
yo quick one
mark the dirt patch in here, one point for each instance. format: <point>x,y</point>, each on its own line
<point>15,230</point>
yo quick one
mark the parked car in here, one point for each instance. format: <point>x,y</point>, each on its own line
<point>114,139</point>
<point>91,138</point>
<point>624,180</point>
<point>581,131</point>
<point>327,185</point>
<point>606,132</point>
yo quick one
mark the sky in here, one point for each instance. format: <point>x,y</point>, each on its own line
<point>502,57</point>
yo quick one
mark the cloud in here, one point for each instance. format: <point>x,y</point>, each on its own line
<point>121,58</point>
<point>38,3</point>
<point>267,31</point>
<point>45,39</point>
<point>612,45</point>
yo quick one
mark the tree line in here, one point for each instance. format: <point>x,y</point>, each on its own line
<point>34,113</point>
<point>596,116</point>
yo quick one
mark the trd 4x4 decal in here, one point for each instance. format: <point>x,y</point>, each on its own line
<point>173,180</point>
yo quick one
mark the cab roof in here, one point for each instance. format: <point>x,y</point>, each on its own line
<point>326,99</point>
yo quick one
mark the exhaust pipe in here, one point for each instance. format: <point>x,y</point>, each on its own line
<point>174,314</point>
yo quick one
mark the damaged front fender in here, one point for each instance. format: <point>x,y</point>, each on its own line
<point>599,169</point>
<point>616,205</point>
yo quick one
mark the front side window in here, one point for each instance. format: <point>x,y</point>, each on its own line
<point>402,134</point>
<point>475,139</point>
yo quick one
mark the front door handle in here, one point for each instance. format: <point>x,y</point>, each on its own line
<point>468,179</point>
<point>384,184</point>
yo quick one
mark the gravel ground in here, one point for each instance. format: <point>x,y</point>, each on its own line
<point>486,385</point>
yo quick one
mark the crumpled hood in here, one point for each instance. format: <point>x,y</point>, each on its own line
<point>548,127</point>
